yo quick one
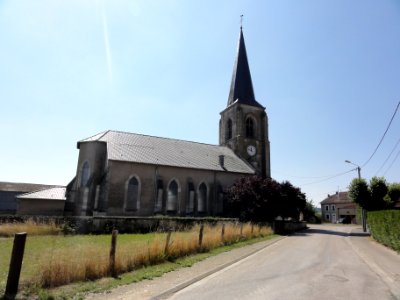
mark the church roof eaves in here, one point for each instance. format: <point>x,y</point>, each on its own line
<point>138,148</point>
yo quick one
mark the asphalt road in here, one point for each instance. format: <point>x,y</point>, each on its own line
<point>325,262</point>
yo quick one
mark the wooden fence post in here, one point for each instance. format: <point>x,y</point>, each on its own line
<point>167,242</point>
<point>15,264</point>
<point>112,253</point>
<point>241,230</point>
<point>223,233</point>
<point>201,235</point>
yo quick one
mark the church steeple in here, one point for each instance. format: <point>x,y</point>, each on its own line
<point>241,86</point>
<point>243,126</point>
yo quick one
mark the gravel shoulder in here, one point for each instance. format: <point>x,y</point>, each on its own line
<point>162,287</point>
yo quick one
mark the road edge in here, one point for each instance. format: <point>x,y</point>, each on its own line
<point>195,279</point>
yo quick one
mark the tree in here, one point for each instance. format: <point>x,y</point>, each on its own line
<point>393,194</point>
<point>379,190</point>
<point>292,201</point>
<point>359,192</point>
<point>262,200</point>
<point>309,213</point>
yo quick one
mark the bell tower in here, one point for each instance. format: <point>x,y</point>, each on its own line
<point>243,125</point>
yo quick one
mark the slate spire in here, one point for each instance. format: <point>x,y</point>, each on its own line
<point>241,85</point>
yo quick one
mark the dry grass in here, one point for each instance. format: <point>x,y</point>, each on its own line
<point>31,227</point>
<point>90,262</point>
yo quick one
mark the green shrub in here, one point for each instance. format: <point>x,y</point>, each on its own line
<point>385,227</point>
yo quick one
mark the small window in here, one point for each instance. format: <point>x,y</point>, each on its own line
<point>327,217</point>
<point>85,173</point>
<point>132,195</point>
<point>327,207</point>
<point>333,207</point>
<point>172,199</point>
<point>249,127</point>
<point>228,133</point>
<point>202,198</point>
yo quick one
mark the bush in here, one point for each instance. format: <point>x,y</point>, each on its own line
<point>385,227</point>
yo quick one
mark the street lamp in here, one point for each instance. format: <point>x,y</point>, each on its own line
<point>363,214</point>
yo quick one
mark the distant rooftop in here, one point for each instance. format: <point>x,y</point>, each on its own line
<point>22,187</point>
<point>54,193</point>
<point>341,197</point>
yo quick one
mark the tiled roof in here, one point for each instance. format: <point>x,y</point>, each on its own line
<point>55,193</point>
<point>22,187</point>
<point>349,206</point>
<point>341,197</point>
<point>132,147</point>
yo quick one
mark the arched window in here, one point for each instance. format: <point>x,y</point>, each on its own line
<point>132,194</point>
<point>202,198</point>
<point>220,201</point>
<point>85,173</point>
<point>249,127</point>
<point>190,199</point>
<point>172,199</point>
<point>159,198</point>
<point>228,129</point>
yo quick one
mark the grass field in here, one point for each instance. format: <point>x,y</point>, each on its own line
<point>57,260</point>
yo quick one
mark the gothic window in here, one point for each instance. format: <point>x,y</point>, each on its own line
<point>132,194</point>
<point>228,133</point>
<point>85,172</point>
<point>202,198</point>
<point>190,199</point>
<point>220,201</point>
<point>172,199</point>
<point>159,196</point>
<point>249,127</point>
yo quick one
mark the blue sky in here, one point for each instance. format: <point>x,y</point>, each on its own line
<point>327,71</point>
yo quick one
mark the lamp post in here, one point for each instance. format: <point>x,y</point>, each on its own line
<point>363,213</point>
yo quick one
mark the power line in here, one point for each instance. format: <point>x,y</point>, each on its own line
<point>384,163</point>
<point>380,142</point>
<point>329,178</point>
<point>305,177</point>
<point>397,155</point>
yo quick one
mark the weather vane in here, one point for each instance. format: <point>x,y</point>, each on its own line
<point>241,21</point>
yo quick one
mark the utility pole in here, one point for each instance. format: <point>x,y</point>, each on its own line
<point>363,212</point>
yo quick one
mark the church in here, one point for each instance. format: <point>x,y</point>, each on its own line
<point>129,174</point>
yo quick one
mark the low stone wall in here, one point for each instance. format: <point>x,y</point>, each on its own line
<point>288,227</point>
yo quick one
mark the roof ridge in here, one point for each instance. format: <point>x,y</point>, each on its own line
<point>166,138</point>
<point>101,133</point>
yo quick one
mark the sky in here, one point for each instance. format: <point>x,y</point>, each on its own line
<point>327,71</point>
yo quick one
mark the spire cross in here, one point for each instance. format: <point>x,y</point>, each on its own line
<point>241,21</point>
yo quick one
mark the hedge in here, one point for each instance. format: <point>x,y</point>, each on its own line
<point>385,227</point>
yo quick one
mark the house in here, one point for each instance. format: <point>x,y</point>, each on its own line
<point>129,174</point>
<point>10,190</point>
<point>45,202</point>
<point>339,207</point>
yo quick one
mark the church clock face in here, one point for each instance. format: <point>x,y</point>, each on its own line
<point>251,150</point>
